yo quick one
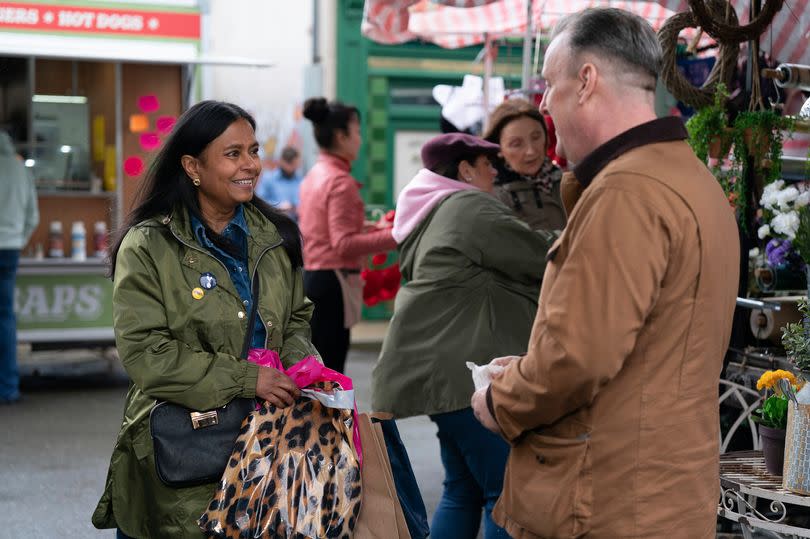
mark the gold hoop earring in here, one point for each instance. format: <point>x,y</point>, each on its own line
<point>196,182</point>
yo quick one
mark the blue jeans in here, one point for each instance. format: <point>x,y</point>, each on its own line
<point>474,460</point>
<point>121,535</point>
<point>9,374</point>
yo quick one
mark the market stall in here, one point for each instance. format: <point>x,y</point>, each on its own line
<point>90,91</point>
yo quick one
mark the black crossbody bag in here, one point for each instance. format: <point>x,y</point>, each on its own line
<point>191,447</point>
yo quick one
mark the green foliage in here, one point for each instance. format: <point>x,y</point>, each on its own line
<point>767,128</point>
<point>796,337</point>
<point>758,134</point>
<point>773,412</point>
<point>707,123</point>
<point>802,241</point>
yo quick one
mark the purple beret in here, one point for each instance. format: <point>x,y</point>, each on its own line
<point>450,147</point>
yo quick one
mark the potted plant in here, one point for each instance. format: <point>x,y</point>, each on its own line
<point>708,128</point>
<point>772,418</point>
<point>796,341</point>
<point>760,134</point>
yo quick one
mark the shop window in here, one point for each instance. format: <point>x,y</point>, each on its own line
<point>61,142</point>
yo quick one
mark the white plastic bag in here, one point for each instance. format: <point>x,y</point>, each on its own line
<point>482,374</point>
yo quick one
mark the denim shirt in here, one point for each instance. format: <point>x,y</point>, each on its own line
<point>236,232</point>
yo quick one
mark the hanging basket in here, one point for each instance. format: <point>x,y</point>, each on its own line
<point>720,144</point>
<point>757,142</point>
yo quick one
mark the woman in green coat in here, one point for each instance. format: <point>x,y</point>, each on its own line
<point>473,272</point>
<point>182,268</point>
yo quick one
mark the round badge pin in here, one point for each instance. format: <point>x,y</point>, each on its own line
<point>207,280</point>
<point>197,293</point>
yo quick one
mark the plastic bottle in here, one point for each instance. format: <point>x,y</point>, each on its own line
<point>78,241</point>
<point>100,239</point>
<point>56,243</point>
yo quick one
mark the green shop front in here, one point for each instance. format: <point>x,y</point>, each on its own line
<point>392,85</point>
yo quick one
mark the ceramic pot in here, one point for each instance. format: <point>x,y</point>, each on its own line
<point>773,448</point>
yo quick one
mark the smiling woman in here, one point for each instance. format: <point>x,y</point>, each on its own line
<point>227,171</point>
<point>183,268</point>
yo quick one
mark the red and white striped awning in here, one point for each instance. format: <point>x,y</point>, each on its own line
<point>460,23</point>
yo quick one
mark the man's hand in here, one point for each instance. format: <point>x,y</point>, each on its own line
<point>481,411</point>
<point>504,361</point>
<point>276,387</point>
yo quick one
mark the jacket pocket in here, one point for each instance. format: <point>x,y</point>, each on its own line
<point>142,444</point>
<point>548,486</point>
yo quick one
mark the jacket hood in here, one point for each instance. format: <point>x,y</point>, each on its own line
<point>420,196</point>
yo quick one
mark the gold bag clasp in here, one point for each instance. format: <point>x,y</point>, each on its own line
<point>204,419</point>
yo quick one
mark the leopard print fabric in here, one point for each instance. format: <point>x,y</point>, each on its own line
<point>293,474</point>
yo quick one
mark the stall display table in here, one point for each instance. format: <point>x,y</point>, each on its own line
<point>60,301</point>
<point>744,481</point>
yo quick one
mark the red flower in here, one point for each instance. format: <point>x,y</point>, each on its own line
<point>374,280</point>
<point>390,216</point>
<point>392,277</point>
<point>387,293</point>
<point>381,284</point>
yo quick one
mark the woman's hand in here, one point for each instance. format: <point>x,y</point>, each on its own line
<point>276,387</point>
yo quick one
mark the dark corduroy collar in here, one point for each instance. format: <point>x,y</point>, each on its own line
<point>658,130</point>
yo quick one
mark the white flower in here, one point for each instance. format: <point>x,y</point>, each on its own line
<point>763,232</point>
<point>768,201</point>
<point>786,224</point>
<point>773,187</point>
<point>802,200</point>
<point>786,196</point>
<point>770,193</point>
<point>754,253</point>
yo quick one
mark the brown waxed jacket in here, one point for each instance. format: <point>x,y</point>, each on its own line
<point>613,412</point>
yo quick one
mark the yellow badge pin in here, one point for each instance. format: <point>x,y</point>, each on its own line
<point>197,293</point>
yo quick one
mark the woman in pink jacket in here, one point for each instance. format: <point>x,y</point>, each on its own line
<point>332,220</point>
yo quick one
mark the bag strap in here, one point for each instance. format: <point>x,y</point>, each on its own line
<point>254,287</point>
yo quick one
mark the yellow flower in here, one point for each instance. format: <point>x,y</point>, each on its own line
<point>769,379</point>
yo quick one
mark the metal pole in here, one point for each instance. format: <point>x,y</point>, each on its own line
<point>32,89</point>
<point>118,213</point>
<point>316,55</point>
<point>527,51</point>
<point>487,77</point>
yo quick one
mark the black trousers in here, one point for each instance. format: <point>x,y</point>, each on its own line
<point>328,334</point>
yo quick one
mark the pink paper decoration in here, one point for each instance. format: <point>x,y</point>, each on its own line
<point>149,141</point>
<point>133,166</point>
<point>148,103</point>
<point>165,124</point>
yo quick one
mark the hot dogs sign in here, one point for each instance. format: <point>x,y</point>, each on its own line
<point>172,22</point>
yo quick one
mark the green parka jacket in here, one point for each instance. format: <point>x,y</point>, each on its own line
<point>473,272</point>
<point>185,350</point>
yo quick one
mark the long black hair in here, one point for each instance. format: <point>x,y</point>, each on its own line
<point>167,185</point>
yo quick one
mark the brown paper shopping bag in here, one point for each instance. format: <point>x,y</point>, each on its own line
<point>381,515</point>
